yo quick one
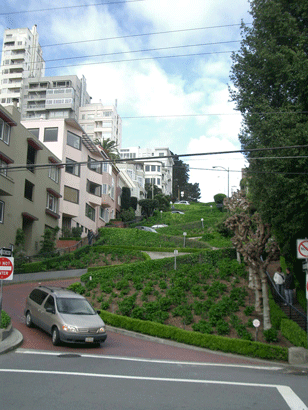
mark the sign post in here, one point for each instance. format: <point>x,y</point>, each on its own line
<point>302,253</point>
<point>6,272</point>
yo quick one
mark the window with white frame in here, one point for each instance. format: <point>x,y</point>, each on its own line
<point>153,168</point>
<point>51,134</point>
<point>105,167</point>
<point>90,212</point>
<point>147,168</point>
<point>1,212</point>
<point>3,167</point>
<point>158,181</point>
<point>52,202</point>
<point>104,214</point>
<point>94,165</point>
<point>53,172</point>
<point>5,131</point>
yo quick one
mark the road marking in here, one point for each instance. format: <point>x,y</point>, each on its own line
<point>134,359</point>
<point>292,400</point>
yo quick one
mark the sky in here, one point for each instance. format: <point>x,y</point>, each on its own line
<point>166,63</point>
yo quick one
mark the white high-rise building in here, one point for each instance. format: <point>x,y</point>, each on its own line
<point>21,58</point>
<point>101,122</point>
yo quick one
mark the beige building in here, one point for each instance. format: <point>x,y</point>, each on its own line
<point>29,195</point>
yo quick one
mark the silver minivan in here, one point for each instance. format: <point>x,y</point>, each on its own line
<point>64,314</point>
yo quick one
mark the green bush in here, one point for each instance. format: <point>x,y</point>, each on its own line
<point>213,342</point>
<point>77,288</point>
<point>294,333</point>
<point>5,320</point>
<point>271,335</point>
<point>203,327</point>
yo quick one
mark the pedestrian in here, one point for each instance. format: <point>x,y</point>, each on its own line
<point>90,236</point>
<point>279,280</point>
<point>289,286</point>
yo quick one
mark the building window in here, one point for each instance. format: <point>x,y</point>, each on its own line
<point>35,132</point>
<point>158,168</point>
<point>158,181</point>
<point>51,134</point>
<point>73,140</point>
<point>104,214</point>
<point>161,154</point>
<point>31,156</point>
<point>153,168</point>
<point>105,189</point>
<point>112,189</point>
<point>94,188</point>
<point>105,167</point>
<point>90,212</point>
<point>52,203</point>
<point>147,168</point>
<point>71,194</point>
<point>5,131</point>
<point>53,172</point>
<point>1,212</point>
<point>29,189</point>
<point>72,167</point>
<point>148,180</point>
<point>3,167</point>
<point>94,165</point>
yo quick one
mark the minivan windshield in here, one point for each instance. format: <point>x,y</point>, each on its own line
<point>74,306</point>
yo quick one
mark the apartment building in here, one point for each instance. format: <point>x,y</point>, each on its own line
<point>29,195</point>
<point>133,175</point>
<point>101,122</point>
<point>157,166</point>
<point>53,97</point>
<point>21,59</point>
<point>88,184</point>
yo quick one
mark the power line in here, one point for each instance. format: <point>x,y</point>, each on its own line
<point>69,7</point>
<point>151,159</point>
<point>142,51</point>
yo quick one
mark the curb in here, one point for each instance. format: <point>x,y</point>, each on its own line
<point>12,341</point>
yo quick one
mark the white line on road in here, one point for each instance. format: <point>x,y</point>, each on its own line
<point>292,400</point>
<point>134,359</point>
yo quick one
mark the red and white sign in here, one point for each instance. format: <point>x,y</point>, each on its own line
<point>302,248</point>
<point>6,268</point>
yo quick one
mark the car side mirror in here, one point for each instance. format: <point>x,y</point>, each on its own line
<point>98,312</point>
<point>50,310</point>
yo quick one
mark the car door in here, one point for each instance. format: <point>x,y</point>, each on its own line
<point>47,313</point>
<point>36,299</point>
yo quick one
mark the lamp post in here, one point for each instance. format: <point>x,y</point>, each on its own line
<point>202,223</point>
<point>218,166</point>
<point>161,214</point>
<point>184,234</point>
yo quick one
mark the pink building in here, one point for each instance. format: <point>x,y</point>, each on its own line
<point>89,180</point>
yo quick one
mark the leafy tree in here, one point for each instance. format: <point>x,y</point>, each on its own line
<point>148,206</point>
<point>48,243</point>
<point>127,215</point>
<point>125,198</point>
<point>180,176</point>
<point>109,146</point>
<point>192,192</point>
<point>150,189</point>
<point>270,77</point>
<point>252,237</point>
<point>19,248</point>
<point>163,202</point>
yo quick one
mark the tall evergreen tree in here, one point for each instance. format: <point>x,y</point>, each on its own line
<point>270,77</point>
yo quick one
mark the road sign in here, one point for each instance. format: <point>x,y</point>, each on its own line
<point>302,248</point>
<point>6,268</point>
<point>6,252</point>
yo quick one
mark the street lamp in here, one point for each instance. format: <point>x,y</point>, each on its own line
<point>184,234</point>
<point>202,223</point>
<point>228,175</point>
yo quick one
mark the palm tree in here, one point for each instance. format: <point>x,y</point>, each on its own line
<point>109,146</point>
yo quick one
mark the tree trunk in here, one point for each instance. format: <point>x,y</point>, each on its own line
<point>251,284</point>
<point>266,309</point>
<point>258,297</point>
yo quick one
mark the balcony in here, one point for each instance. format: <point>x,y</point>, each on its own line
<point>106,201</point>
<point>6,185</point>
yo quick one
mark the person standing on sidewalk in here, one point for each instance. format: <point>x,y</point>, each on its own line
<point>289,286</point>
<point>279,280</point>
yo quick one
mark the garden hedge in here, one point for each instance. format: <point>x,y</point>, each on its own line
<point>213,342</point>
<point>294,333</point>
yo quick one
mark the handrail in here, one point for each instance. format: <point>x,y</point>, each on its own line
<point>281,300</point>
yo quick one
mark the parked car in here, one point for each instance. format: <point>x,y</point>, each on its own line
<point>182,203</point>
<point>65,315</point>
<point>146,228</point>
<point>177,212</point>
<point>159,226</point>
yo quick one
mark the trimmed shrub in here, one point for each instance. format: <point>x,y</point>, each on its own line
<point>5,320</point>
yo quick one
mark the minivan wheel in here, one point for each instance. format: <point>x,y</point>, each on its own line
<point>29,322</point>
<point>55,337</point>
